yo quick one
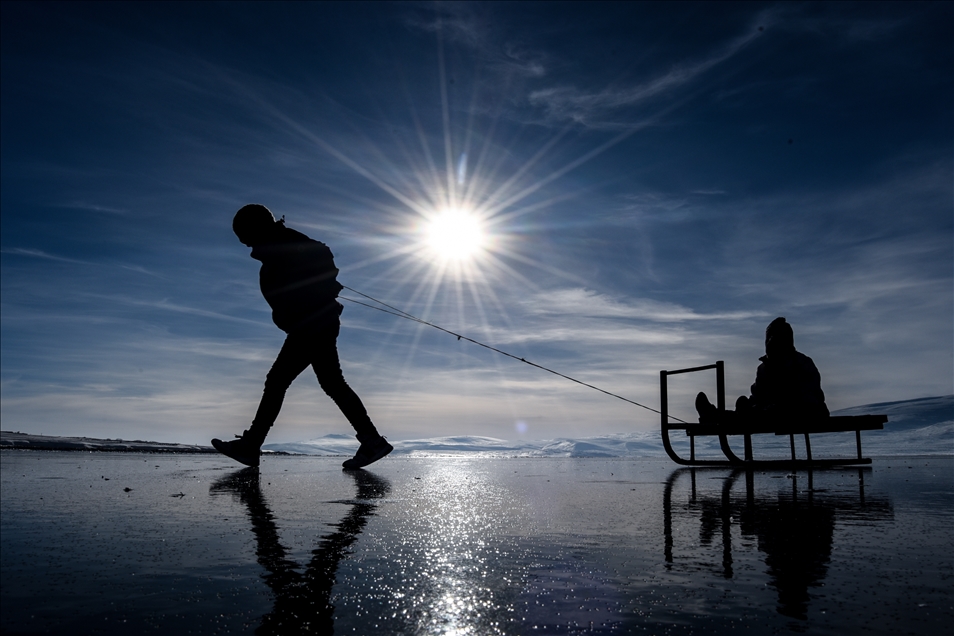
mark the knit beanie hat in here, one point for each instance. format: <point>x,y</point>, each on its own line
<point>781,334</point>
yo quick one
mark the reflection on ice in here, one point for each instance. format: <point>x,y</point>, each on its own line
<point>302,599</point>
<point>795,531</point>
<point>470,546</point>
<point>448,556</point>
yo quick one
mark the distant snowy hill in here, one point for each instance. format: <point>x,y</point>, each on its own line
<point>26,441</point>
<point>915,427</point>
<point>909,414</point>
<point>639,444</point>
<point>919,427</point>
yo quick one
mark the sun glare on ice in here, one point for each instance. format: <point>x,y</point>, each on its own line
<point>455,234</point>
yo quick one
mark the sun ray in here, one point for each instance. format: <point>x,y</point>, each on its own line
<point>306,133</point>
<point>556,174</point>
<point>502,218</point>
<point>378,258</point>
<point>579,280</point>
<point>424,285</point>
<point>432,289</point>
<point>451,237</point>
<point>445,118</point>
<point>514,179</point>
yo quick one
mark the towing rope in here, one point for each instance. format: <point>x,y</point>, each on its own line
<point>394,311</point>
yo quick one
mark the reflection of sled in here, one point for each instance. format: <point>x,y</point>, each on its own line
<point>794,531</point>
<point>836,424</point>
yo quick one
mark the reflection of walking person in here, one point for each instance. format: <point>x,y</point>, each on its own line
<point>298,279</point>
<point>302,599</point>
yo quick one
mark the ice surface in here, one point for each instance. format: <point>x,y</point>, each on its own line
<point>130,543</point>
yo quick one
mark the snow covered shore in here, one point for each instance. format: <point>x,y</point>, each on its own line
<point>25,441</point>
<point>923,426</point>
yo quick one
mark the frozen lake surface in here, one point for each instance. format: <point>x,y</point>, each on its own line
<point>127,543</point>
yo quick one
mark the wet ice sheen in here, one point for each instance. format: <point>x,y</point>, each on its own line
<point>470,546</point>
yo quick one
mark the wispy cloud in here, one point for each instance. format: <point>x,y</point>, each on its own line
<point>853,29</point>
<point>142,270</point>
<point>41,254</point>
<point>459,23</point>
<point>604,108</point>
<point>92,207</point>
<point>166,305</point>
<point>34,253</point>
<point>584,302</point>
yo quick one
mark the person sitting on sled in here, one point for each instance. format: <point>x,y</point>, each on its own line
<point>299,281</point>
<point>787,384</point>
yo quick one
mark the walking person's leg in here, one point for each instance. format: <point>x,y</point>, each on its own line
<point>294,358</point>
<point>327,366</point>
<point>291,361</point>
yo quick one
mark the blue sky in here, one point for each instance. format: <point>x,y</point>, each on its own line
<point>656,182</point>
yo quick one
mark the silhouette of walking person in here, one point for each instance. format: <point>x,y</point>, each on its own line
<point>302,599</point>
<point>298,278</point>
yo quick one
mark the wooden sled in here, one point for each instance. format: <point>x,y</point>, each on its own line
<point>836,424</point>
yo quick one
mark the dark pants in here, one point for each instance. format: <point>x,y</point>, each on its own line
<point>319,348</point>
<point>709,414</point>
<point>746,413</point>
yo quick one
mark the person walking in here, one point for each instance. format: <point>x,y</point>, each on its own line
<point>298,278</point>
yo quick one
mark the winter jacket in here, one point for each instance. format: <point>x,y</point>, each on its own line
<point>788,385</point>
<point>298,279</point>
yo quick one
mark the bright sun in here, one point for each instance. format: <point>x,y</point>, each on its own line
<point>455,235</point>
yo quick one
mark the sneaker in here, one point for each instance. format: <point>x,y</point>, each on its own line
<point>241,450</point>
<point>368,453</point>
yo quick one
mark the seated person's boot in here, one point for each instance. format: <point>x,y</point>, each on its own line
<point>708,413</point>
